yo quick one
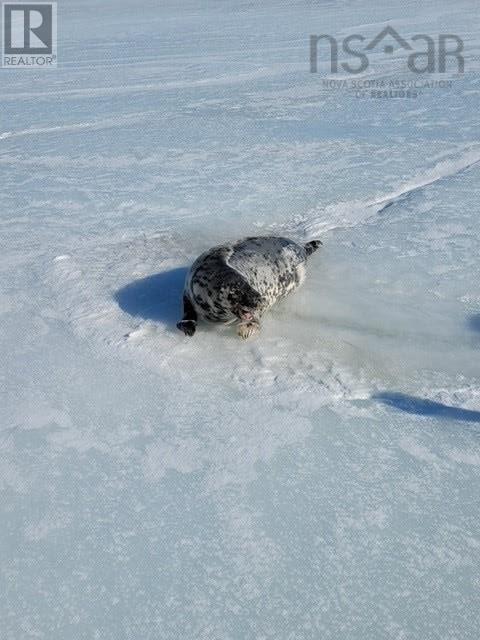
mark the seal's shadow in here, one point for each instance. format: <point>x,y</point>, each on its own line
<point>474,322</point>
<point>157,297</point>
<point>424,407</point>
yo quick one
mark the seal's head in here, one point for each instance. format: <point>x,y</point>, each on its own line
<point>245,302</point>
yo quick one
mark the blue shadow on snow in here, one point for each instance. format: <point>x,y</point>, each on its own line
<point>424,407</point>
<point>157,297</point>
<point>474,322</point>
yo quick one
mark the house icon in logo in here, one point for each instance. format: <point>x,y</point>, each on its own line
<point>388,32</point>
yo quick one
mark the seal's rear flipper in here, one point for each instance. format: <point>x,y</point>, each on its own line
<point>312,246</point>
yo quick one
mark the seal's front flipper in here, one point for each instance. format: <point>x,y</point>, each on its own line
<point>188,323</point>
<point>187,326</point>
<point>248,329</point>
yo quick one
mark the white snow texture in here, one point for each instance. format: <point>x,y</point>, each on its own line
<point>318,481</point>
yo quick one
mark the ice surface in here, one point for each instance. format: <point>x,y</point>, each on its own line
<point>320,481</point>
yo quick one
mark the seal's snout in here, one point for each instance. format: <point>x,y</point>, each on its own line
<point>246,315</point>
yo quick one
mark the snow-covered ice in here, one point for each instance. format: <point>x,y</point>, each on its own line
<point>321,481</point>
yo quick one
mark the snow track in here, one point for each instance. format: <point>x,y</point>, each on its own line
<point>345,214</point>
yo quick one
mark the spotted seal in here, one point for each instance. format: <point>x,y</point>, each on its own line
<point>238,282</point>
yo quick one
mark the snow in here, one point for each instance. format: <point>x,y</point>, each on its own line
<point>316,482</point>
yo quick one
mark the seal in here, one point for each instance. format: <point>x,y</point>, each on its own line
<point>238,282</point>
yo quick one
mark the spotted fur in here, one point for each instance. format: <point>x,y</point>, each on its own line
<point>240,281</point>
